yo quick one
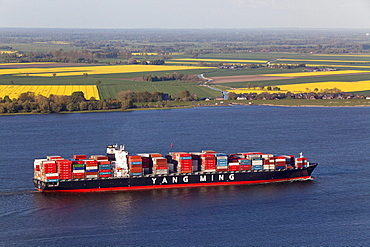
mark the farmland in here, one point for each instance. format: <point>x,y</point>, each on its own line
<point>13,91</point>
<point>99,62</point>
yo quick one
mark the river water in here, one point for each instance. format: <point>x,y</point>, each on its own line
<point>331,210</point>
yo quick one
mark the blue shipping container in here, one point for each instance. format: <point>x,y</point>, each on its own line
<point>105,166</point>
<point>78,168</point>
<point>105,173</point>
<point>256,167</point>
<point>52,180</point>
<point>136,163</point>
<point>92,170</point>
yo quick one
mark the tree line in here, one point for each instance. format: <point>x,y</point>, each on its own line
<point>31,103</point>
<point>171,77</point>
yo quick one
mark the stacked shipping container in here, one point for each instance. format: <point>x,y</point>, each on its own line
<point>135,165</point>
<point>54,168</point>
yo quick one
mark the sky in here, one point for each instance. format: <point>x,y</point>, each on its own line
<point>193,14</point>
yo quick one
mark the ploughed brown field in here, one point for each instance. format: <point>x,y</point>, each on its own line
<point>40,65</point>
<point>244,78</point>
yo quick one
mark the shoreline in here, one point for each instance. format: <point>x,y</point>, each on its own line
<point>189,106</point>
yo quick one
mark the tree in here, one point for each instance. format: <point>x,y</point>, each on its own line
<point>97,82</point>
<point>126,104</point>
<point>131,60</point>
<point>78,96</point>
<point>185,95</point>
<point>232,96</point>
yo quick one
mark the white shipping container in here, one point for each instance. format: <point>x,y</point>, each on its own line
<point>234,164</point>
<point>51,174</point>
<point>254,156</point>
<point>54,157</point>
<point>38,162</point>
<point>144,155</point>
<point>257,162</point>
<point>210,170</point>
<point>91,176</point>
<point>280,160</point>
<point>88,168</point>
<point>79,171</point>
<point>265,156</point>
<point>266,167</point>
<point>162,172</point>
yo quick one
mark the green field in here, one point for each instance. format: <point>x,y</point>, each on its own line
<point>111,84</point>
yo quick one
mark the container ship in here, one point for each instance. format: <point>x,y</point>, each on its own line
<point>117,170</point>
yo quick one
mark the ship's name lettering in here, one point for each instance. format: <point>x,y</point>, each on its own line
<point>202,178</point>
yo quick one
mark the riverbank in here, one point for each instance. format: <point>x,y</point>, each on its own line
<point>191,104</point>
<point>314,103</point>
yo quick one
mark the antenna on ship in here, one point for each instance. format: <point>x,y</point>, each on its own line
<point>301,155</point>
<point>171,145</point>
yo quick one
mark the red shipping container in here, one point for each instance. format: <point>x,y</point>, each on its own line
<point>49,164</point>
<point>136,170</point>
<point>155,155</point>
<point>186,161</point>
<point>105,175</point>
<point>105,170</point>
<point>234,168</point>
<point>91,166</point>
<point>91,162</point>
<point>222,169</point>
<point>134,160</point>
<point>160,167</point>
<point>133,157</point>
<point>186,171</point>
<point>91,173</point>
<point>207,156</point>
<point>80,157</point>
<point>246,167</point>
<point>187,165</point>
<point>207,167</point>
<point>184,155</point>
<point>55,158</point>
<point>104,162</point>
<point>50,170</point>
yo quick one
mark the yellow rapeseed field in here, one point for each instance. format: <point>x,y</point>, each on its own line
<point>7,52</point>
<point>13,91</point>
<point>355,86</point>
<point>344,86</point>
<point>218,60</point>
<point>90,70</point>
<point>318,73</point>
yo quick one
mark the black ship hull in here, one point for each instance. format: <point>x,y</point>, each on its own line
<point>197,179</point>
